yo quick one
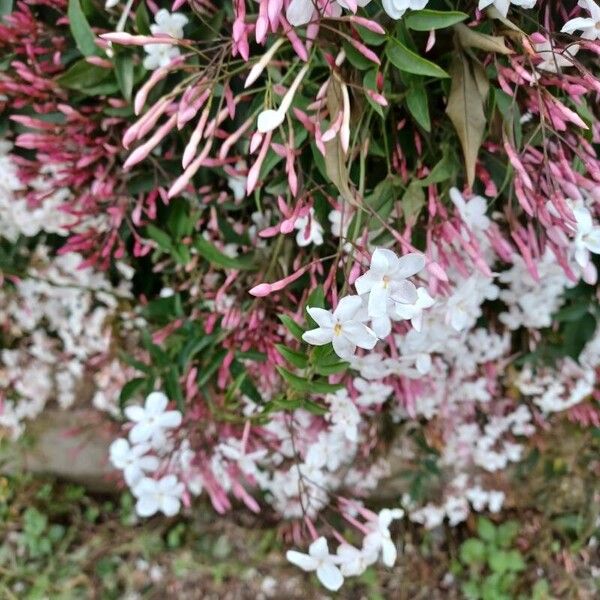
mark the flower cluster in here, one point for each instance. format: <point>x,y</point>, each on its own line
<point>340,249</point>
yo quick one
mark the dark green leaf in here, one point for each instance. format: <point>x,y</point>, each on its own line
<point>300,384</point>
<point>297,359</point>
<point>405,59</point>
<point>130,389</point>
<point>124,74</point>
<point>293,327</point>
<point>426,20</point>
<point>216,257</point>
<point>85,40</point>
<point>418,105</point>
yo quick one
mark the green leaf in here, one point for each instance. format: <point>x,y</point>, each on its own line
<point>506,533</point>
<point>486,529</point>
<point>418,105</point>
<point>502,561</point>
<point>442,171</point>
<point>216,257</point>
<point>124,73</point>
<point>426,20</point>
<point>472,552</point>
<point>293,327</point>
<point>81,76</point>
<point>142,19</point>
<point>160,237</point>
<point>130,389</point>
<point>300,384</point>
<point>331,369</point>
<point>6,7</point>
<point>297,359</point>
<point>85,40</point>
<point>413,201</point>
<point>405,59</point>
<point>173,389</point>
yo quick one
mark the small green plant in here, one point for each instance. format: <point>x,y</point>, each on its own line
<point>491,562</point>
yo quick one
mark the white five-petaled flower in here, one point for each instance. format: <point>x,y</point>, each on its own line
<point>319,560</point>
<point>162,495</point>
<point>302,12</point>
<point>472,212</point>
<point>354,562</point>
<point>503,5</point>
<point>165,23</point>
<point>396,8</point>
<point>309,230</point>
<point>414,311</point>
<point>152,420</point>
<point>379,538</point>
<point>132,460</point>
<point>386,280</point>
<point>342,328</point>
<point>587,236</point>
<point>589,26</point>
<point>554,59</point>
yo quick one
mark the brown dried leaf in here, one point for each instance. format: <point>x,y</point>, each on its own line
<point>469,38</point>
<point>335,157</point>
<point>465,110</point>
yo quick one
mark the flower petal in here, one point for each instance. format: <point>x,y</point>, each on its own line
<point>404,291</point>
<point>146,506</point>
<point>156,403</point>
<point>347,308</point>
<point>304,561</point>
<point>330,576</point>
<point>389,552</point>
<point>322,317</point>
<point>378,301</point>
<point>359,334</point>
<point>318,337</point>
<point>135,413</point>
<point>172,418</point>
<point>410,264</point>
<point>170,505</point>
<point>343,347</point>
<point>299,12</point>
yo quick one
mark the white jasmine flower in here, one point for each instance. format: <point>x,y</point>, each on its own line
<point>165,23</point>
<point>414,311</point>
<point>302,12</point>
<point>590,26</point>
<point>554,59</point>
<point>380,538</point>
<point>386,280</point>
<point>503,5</point>
<point>430,516</point>
<point>341,328</point>
<point>587,236</point>
<point>354,562</point>
<point>152,420</point>
<point>457,509</point>
<point>472,212</point>
<point>155,496</point>
<point>344,415</point>
<point>309,230</point>
<point>371,392</point>
<point>169,23</point>
<point>132,460</point>
<point>319,560</point>
<point>396,8</point>
<point>237,182</point>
